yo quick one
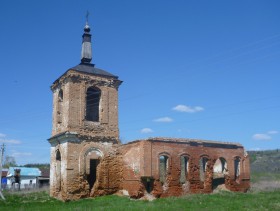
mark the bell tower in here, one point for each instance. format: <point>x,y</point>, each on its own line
<point>84,125</point>
<point>85,99</point>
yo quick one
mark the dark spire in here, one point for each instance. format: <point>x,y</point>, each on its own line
<point>86,55</point>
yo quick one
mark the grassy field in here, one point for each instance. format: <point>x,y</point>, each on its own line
<point>264,195</point>
<point>219,201</point>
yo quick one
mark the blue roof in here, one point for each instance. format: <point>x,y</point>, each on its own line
<point>24,171</point>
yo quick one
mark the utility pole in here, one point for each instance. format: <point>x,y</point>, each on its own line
<point>1,160</point>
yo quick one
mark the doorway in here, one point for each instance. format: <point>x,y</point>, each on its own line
<point>148,183</point>
<point>92,172</point>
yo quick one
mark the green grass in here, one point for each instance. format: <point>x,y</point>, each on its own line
<point>220,201</point>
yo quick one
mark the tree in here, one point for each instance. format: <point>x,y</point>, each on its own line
<point>9,161</point>
<point>38,165</point>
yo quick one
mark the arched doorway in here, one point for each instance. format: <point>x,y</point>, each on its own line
<point>92,160</point>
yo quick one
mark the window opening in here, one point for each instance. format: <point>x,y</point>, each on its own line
<point>237,167</point>
<point>219,172</point>
<point>60,96</point>
<point>92,104</point>
<point>58,155</point>
<point>59,109</point>
<point>58,170</point>
<point>163,168</point>
<point>202,168</point>
<point>184,169</point>
<point>220,167</point>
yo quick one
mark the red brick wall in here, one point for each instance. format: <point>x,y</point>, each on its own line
<point>146,155</point>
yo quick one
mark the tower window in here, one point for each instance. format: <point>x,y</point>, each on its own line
<point>59,109</point>
<point>60,96</point>
<point>58,155</point>
<point>92,104</point>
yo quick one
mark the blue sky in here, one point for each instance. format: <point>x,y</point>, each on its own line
<point>194,69</point>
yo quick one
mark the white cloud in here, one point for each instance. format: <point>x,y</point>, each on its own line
<point>188,109</point>
<point>21,154</point>
<point>2,135</point>
<point>261,136</point>
<point>146,130</point>
<point>272,132</point>
<point>164,119</point>
<point>265,136</point>
<point>9,141</point>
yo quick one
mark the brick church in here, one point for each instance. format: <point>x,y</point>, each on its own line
<point>88,159</point>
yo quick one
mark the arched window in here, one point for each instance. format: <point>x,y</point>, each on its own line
<point>220,169</point>
<point>58,170</point>
<point>163,168</point>
<point>59,109</point>
<point>184,169</point>
<point>60,96</point>
<point>58,155</point>
<point>92,104</point>
<point>202,168</point>
<point>237,167</point>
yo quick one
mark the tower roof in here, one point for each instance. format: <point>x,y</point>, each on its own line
<point>91,69</point>
<point>86,56</point>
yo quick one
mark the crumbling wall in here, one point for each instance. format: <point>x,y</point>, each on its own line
<point>109,174</point>
<point>76,153</point>
<point>135,168</point>
<point>149,152</point>
<point>172,186</point>
<point>240,183</point>
<point>58,177</point>
<point>132,155</point>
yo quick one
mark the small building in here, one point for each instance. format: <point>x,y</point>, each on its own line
<point>44,179</point>
<point>26,177</point>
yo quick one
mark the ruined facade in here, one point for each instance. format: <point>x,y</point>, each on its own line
<point>87,158</point>
<point>173,167</point>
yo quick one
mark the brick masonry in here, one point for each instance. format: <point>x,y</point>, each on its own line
<point>142,162</point>
<point>88,160</point>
